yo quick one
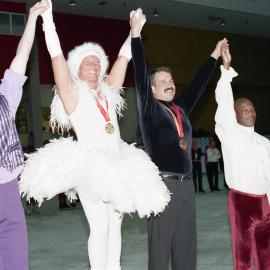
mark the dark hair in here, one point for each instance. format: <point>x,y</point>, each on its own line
<point>156,70</point>
<point>212,140</point>
<point>240,101</point>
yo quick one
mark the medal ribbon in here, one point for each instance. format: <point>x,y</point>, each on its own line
<point>103,112</point>
<point>177,119</point>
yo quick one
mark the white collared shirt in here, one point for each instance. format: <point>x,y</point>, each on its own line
<point>246,154</point>
<point>213,154</point>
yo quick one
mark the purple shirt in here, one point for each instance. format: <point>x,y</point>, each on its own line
<point>11,88</point>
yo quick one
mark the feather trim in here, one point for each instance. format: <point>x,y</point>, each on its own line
<point>59,119</point>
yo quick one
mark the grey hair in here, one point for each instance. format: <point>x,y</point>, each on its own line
<point>156,70</point>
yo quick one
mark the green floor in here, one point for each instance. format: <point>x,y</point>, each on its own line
<point>58,239</point>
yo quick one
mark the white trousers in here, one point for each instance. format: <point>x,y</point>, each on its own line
<point>104,243</point>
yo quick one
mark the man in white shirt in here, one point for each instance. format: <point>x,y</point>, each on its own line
<point>212,157</point>
<point>247,171</point>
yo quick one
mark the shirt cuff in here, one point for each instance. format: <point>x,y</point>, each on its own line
<point>15,76</point>
<point>135,39</point>
<point>228,74</point>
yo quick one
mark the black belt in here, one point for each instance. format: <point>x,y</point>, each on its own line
<point>177,177</point>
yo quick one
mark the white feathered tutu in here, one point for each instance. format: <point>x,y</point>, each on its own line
<point>99,166</point>
<point>126,178</point>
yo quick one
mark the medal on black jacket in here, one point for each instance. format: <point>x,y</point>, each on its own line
<point>179,126</point>
<point>109,127</point>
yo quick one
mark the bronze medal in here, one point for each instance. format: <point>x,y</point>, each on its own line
<point>109,128</point>
<point>178,123</point>
<point>183,144</point>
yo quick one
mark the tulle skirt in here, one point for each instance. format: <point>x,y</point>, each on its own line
<point>126,178</point>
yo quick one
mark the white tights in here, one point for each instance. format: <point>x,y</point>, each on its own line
<point>104,243</point>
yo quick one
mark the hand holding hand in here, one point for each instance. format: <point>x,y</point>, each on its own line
<point>221,44</point>
<point>137,21</point>
<point>51,37</point>
<point>226,57</point>
<point>47,15</point>
<point>38,9</point>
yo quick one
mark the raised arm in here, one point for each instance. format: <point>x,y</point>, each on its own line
<point>225,115</point>
<point>190,95</point>
<point>19,62</point>
<point>117,74</point>
<point>62,77</point>
<point>14,78</point>
<point>143,86</point>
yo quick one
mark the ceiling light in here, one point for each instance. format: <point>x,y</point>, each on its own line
<point>72,3</point>
<point>102,3</point>
<point>156,13</point>
<point>215,19</point>
<point>212,18</point>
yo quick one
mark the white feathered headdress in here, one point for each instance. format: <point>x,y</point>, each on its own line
<point>76,56</point>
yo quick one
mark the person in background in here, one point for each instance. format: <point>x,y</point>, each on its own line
<point>63,204</point>
<point>196,154</point>
<point>212,157</point>
<point>31,142</point>
<point>32,207</point>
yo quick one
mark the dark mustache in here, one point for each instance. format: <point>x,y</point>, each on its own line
<point>168,89</point>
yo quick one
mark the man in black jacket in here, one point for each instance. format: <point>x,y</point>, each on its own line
<point>166,132</point>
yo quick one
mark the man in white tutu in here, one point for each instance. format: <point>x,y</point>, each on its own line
<point>13,231</point>
<point>110,176</point>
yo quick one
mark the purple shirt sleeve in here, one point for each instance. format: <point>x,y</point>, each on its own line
<point>11,88</point>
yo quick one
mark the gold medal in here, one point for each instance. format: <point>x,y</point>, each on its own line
<point>109,128</point>
<point>178,123</point>
<point>183,144</point>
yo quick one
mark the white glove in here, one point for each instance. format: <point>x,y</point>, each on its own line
<point>47,15</point>
<point>51,37</point>
<point>126,47</point>
<point>139,12</point>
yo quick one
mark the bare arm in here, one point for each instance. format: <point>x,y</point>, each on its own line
<point>222,44</point>
<point>62,77</point>
<point>64,84</point>
<point>118,72</point>
<point>19,62</point>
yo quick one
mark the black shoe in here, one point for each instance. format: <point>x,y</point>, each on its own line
<point>201,191</point>
<point>216,189</point>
